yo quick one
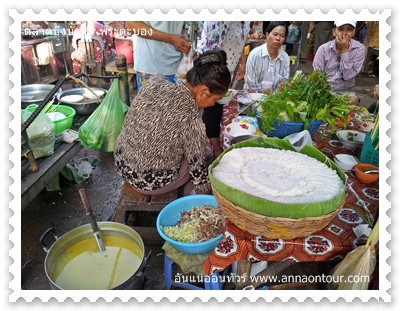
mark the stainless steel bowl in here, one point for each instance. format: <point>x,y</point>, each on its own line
<point>84,107</point>
<point>35,93</point>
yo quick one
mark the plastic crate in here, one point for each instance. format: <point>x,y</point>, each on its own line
<point>285,128</point>
<point>368,153</point>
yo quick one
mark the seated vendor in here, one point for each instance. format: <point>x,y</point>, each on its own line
<point>162,145</point>
<point>341,59</point>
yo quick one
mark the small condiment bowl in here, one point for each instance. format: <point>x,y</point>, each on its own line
<point>345,162</point>
<point>351,139</point>
<point>236,129</point>
<point>360,168</point>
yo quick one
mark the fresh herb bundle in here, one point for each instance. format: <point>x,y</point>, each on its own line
<point>304,99</point>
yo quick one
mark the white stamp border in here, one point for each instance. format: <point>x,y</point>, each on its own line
<point>14,203</point>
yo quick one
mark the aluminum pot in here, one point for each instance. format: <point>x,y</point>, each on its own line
<point>84,107</point>
<point>35,93</point>
<point>60,252</point>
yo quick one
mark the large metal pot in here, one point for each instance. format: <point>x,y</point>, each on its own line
<point>84,107</point>
<point>35,93</point>
<point>71,250</point>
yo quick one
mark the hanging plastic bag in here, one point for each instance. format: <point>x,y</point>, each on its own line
<point>185,65</point>
<point>40,132</point>
<point>355,270</point>
<point>101,129</point>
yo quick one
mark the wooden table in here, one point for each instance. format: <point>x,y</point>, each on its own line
<point>32,183</point>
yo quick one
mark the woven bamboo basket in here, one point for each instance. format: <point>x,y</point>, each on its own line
<point>273,227</point>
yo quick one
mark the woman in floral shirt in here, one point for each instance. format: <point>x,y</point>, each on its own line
<point>231,38</point>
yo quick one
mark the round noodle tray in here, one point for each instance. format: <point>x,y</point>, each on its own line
<point>261,206</point>
<point>273,227</point>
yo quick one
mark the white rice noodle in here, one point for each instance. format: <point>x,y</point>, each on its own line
<point>278,175</point>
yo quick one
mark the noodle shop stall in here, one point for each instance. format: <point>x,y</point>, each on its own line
<point>333,242</point>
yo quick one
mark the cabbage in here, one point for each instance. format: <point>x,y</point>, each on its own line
<point>184,232</point>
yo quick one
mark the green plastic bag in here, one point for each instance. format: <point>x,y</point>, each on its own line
<point>101,129</point>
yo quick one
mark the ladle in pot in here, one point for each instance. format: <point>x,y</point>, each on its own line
<point>93,223</point>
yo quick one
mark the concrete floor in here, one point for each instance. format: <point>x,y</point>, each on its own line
<point>64,210</point>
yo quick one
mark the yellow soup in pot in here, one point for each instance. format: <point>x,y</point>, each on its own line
<point>83,266</point>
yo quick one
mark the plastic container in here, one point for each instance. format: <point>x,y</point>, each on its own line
<point>285,128</point>
<point>368,153</point>
<point>170,214</point>
<point>64,124</point>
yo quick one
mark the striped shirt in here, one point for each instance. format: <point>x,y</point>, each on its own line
<point>260,65</point>
<point>341,70</point>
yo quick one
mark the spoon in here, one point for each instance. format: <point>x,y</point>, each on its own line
<point>334,155</point>
<point>371,172</point>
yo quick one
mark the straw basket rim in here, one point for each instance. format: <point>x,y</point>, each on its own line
<point>273,227</point>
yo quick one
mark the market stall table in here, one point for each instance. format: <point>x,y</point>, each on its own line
<point>32,183</point>
<point>334,241</point>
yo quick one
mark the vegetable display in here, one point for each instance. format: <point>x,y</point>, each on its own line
<point>304,99</point>
<point>201,223</point>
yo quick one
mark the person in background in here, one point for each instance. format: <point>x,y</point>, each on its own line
<point>311,41</point>
<point>162,145</point>
<point>159,49</point>
<point>341,58</point>
<point>323,34</point>
<point>304,41</point>
<point>374,107</point>
<point>78,56</point>
<point>362,33</point>
<point>231,38</point>
<point>293,37</point>
<point>268,62</point>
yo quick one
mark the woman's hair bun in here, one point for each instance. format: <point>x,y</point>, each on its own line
<point>211,57</point>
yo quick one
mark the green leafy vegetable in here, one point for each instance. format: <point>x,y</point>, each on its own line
<point>304,99</point>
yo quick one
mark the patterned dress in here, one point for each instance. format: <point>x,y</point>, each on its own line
<point>162,126</point>
<point>228,36</point>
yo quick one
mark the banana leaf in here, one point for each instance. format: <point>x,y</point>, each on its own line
<point>276,209</point>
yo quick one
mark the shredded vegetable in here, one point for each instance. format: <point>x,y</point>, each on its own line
<point>199,224</point>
